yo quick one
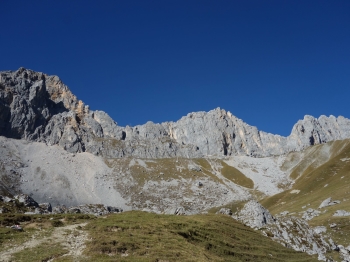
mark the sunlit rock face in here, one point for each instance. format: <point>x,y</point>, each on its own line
<point>38,107</point>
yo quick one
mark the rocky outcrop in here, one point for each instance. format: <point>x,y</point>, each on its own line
<point>310,214</point>
<point>290,231</point>
<point>225,211</point>
<point>25,204</point>
<point>328,202</point>
<point>254,215</point>
<point>38,107</point>
<point>295,233</point>
<point>341,213</point>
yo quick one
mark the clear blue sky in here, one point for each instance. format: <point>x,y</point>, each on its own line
<point>268,62</point>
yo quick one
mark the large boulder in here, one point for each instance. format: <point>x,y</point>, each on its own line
<point>254,215</point>
<point>26,200</point>
<point>328,202</point>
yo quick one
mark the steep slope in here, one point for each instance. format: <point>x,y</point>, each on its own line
<point>321,192</point>
<point>51,174</point>
<point>322,172</point>
<point>38,107</point>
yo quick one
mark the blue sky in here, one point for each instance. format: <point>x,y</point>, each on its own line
<point>268,62</point>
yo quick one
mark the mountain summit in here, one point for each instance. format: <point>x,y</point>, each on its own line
<point>38,107</point>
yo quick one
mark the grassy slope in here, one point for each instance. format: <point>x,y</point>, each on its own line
<point>332,179</point>
<point>236,176</point>
<point>140,236</point>
<point>169,169</point>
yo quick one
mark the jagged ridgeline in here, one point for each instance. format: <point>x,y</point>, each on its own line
<point>38,107</point>
<point>70,159</point>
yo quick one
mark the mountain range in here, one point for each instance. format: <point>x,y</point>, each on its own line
<point>53,148</point>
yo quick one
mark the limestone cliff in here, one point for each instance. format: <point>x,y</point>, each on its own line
<point>38,107</point>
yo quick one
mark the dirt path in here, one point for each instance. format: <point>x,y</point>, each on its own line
<point>73,242</point>
<point>67,236</point>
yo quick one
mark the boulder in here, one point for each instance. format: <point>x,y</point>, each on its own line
<point>73,210</point>
<point>46,207</point>
<point>179,211</point>
<point>114,209</point>
<point>59,209</point>
<point>7,199</point>
<point>225,211</point>
<point>194,168</point>
<point>320,229</point>
<point>254,215</point>
<point>26,200</point>
<point>341,213</point>
<point>328,202</point>
<point>310,214</point>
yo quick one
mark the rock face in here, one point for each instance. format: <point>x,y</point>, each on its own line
<point>295,233</point>
<point>38,107</point>
<point>290,231</point>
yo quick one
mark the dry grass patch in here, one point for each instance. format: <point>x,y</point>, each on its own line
<point>42,252</point>
<point>236,176</point>
<point>140,236</point>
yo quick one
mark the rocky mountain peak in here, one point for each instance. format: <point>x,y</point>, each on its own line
<point>39,107</point>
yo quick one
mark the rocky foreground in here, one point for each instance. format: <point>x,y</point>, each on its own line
<point>290,231</point>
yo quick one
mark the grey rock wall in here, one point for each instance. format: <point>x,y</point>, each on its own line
<point>38,107</point>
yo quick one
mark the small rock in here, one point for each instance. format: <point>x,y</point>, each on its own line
<point>333,225</point>
<point>194,168</point>
<point>17,227</point>
<point>46,207</point>
<point>310,214</point>
<point>225,211</point>
<point>284,213</point>
<point>180,211</point>
<point>320,229</point>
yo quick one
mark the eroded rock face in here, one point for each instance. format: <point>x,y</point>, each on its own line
<point>295,233</point>
<point>38,107</point>
<point>290,231</point>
